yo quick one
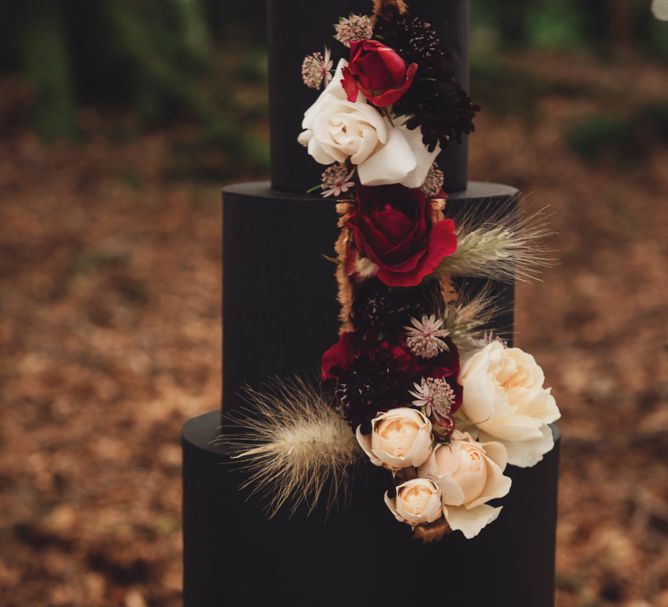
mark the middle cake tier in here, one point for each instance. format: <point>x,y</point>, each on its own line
<point>280,311</point>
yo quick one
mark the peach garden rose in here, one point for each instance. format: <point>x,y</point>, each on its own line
<point>399,438</point>
<point>505,399</point>
<point>469,475</point>
<point>417,502</point>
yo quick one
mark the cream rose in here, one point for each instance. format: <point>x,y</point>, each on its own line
<point>504,397</point>
<point>399,438</point>
<point>417,502</point>
<point>469,474</point>
<point>336,129</point>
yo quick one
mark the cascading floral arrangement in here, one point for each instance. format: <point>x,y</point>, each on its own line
<point>426,392</point>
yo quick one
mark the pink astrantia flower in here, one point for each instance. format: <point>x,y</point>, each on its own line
<point>353,29</point>
<point>435,395</point>
<point>336,180</point>
<point>317,69</point>
<point>425,336</point>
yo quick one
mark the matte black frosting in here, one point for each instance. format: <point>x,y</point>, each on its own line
<point>358,556</point>
<point>299,27</point>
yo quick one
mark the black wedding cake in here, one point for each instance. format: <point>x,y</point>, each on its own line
<point>280,313</point>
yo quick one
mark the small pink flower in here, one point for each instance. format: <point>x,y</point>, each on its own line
<point>317,69</point>
<point>425,337</point>
<point>436,396</point>
<point>354,28</point>
<point>336,180</point>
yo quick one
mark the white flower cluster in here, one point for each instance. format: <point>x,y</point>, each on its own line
<point>382,148</point>
<point>507,411</point>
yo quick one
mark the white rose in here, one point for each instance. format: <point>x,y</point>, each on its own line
<point>399,438</point>
<point>417,502</point>
<point>469,474</point>
<point>402,159</point>
<point>336,129</point>
<point>504,397</point>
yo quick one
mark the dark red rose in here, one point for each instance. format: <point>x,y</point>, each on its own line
<point>378,72</point>
<point>392,226</point>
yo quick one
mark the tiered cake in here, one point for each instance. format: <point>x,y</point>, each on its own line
<point>279,315</point>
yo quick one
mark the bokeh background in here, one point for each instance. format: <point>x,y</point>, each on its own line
<point>119,123</point>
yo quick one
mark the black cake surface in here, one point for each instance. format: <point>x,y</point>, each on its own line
<point>279,316</point>
<point>356,556</point>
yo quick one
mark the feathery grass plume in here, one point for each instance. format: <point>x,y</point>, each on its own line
<point>466,319</point>
<point>505,247</point>
<point>293,444</point>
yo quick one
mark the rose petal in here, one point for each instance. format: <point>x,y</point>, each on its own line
<point>341,355</point>
<point>373,72</point>
<point>349,85</point>
<point>450,490</point>
<point>396,66</point>
<point>497,453</point>
<point>391,504</point>
<point>391,163</point>
<point>512,427</point>
<point>391,96</point>
<point>497,486</point>
<point>471,522</point>
<point>365,442</point>
<point>525,454</point>
<point>424,158</point>
<point>538,403</point>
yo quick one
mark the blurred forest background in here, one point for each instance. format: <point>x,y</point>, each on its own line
<point>120,121</point>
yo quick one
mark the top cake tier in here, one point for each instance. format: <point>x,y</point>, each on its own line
<point>299,27</point>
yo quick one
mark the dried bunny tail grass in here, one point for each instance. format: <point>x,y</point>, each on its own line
<point>293,444</point>
<point>467,319</point>
<point>507,246</point>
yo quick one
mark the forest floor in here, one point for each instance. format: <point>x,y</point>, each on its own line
<point>110,334</point>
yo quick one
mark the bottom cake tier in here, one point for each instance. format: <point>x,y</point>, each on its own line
<point>356,555</point>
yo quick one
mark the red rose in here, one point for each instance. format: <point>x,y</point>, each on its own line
<point>378,72</point>
<point>392,227</point>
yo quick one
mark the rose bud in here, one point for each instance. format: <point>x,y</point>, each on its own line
<point>504,397</point>
<point>393,227</point>
<point>469,474</point>
<point>399,438</point>
<point>378,72</point>
<point>443,427</point>
<point>417,502</point>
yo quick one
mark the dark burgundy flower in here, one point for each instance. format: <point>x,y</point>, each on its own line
<point>339,357</point>
<point>371,375</point>
<point>378,72</point>
<point>436,102</point>
<point>392,227</point>
<point>377,307</point>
